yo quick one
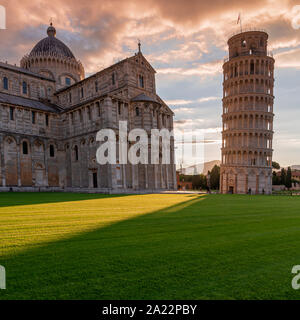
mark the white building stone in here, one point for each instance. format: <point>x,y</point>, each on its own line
<point>50,115</point>
<point>247,115</point>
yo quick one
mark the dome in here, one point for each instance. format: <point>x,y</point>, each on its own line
<point>51,58</point>
<point>51,46</point>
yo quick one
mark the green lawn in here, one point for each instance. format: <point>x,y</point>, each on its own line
<point>80,246</point>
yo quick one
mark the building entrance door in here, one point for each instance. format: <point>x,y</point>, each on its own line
<point>230,190</point>
<point>95,180</point>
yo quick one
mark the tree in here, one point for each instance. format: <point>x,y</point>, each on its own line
<point>283,176</point>
<point>275,165</point>
<point>275,179</point>
<point>288,181</point>
<point>199,181</point>
<point>215,178</point>
<point>203,182</point>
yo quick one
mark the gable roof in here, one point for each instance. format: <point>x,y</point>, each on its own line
<point>104,70</point>
<point>160,100</point>
<point>139,54</point>
<point>78,83</point>
<point>29,103</point>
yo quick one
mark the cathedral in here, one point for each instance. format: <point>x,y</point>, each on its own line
<point>50,114</point>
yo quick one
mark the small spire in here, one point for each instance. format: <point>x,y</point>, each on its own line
<point>139,44</point>
<point>51,31</point>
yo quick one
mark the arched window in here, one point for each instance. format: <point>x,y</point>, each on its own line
<point>261,42</point>
<point>68,81</point>
<point>98,108</point>
<point>119,108</point>
<point>51,150</point>
<point>5,83</point>
<point>88,109</point>
<point>252,67</point>
<point>24,87</point>
<point>137,111</point>
<point>141,81</point>
<point>33,117</point>
<point>11,113</point>
<point>25,147</point>
<point>76,153</point>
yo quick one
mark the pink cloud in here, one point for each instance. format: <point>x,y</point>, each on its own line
<point>104,27</point>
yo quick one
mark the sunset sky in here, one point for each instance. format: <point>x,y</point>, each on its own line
<point>185,41</point>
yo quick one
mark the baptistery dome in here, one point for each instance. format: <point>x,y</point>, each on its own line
<point>52,58</point>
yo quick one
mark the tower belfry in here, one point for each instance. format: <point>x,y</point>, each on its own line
<point>247,115</point>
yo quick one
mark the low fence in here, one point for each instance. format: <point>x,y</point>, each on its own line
<point>286,193</point>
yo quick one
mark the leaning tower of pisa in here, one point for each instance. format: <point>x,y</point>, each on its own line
<point>247,115</point>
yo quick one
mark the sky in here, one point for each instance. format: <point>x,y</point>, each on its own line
<point>186,43</point>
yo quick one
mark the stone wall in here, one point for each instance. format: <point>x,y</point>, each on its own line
<point>37,87</point>
<point>247,115</point>
<point>60,152</point>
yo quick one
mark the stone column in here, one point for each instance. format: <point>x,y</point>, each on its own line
<point>123,166</point>
<point>46,152</point>
<point>226,184</point>
<point>2,161</point>
<point>31,146</point>
<point>174,176</point>
<point>167,175</point>
<point>107,112</point>
<point>221,182</point>
<point>18,160</point>
<point>155,176</point>
<point>257,184</point>
<point>146,176</point>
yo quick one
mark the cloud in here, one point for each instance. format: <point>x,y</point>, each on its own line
<point>289,59</point>
<point>205,69</point>
<point>185,52</point>
<point>184,102</point>
<point>197,125</point>
<point>102,32</point>
<point>104,27</point>
<point>185,41</point>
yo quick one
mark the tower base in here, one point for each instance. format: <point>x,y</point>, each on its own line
<point>245,180</point>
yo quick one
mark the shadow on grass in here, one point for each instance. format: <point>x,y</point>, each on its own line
<point>8,199</point>
<point>134,258</point>
<point>209,247</point>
